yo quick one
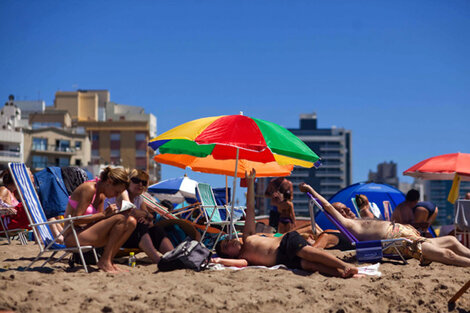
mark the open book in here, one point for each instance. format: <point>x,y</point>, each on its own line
<point>126,205</point>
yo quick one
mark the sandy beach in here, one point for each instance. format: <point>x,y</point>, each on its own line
<point>401,288</point>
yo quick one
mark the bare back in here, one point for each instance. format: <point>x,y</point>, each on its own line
<point>403,213</point>
<point>260,250</point>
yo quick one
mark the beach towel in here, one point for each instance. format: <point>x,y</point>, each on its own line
<point>369,270</point>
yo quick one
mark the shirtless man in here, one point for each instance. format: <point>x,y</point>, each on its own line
<point>418,214</point>
<point>447,249</point>
<point>291,250</point>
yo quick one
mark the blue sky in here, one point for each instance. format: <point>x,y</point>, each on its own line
<point>397,73</point>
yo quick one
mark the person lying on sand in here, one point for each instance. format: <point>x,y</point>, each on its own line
<point>447,249</point>
<point>291,250</point>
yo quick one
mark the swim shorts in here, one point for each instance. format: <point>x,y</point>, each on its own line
<point>290,244</point>
<point>413,249</point>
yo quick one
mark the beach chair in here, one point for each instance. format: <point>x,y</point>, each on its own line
<point>366,251</point>
<point>214,214</point>
<point>153,205</point>
<point>39,223</point>
<point>9,234</point>
<point>373,208</point>
<point>462,221</point>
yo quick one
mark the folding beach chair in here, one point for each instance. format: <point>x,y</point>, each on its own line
<point>462,221</point>
<point>9,234</point>
<point>366,251</point>
<point>39,223</point>
<point>373,208</point>
<point>153,205</point>
<point>215,215</point>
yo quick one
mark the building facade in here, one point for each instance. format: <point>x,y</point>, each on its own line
<point>118,133</point>
<point>386,174</point>
<point>437,191</point>
<point>333,146</point>
<point>11,136</point>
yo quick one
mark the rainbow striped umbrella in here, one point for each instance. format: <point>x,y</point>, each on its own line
<point>236,137</point>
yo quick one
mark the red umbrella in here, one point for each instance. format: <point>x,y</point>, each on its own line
<point>442,167</point>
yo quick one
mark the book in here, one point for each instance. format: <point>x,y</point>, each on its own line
<point>126,205</point>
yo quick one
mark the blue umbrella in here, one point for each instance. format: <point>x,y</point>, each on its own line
<point>176,190</point>
<point>375,193</point>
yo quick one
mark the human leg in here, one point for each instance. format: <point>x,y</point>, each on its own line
<point>450,242</point>
<point>317,256</point>
<point>110,233</point>
<point>159,239</point>
<point>435,252</point>
<point>147,246</point>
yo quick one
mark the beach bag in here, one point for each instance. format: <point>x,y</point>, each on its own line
<point>190,254</point>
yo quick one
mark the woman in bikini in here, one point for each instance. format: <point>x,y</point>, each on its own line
<point>103,227</point>
<point>285,207</point>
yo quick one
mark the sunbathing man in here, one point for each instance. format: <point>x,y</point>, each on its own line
<point>447,249</point>
<point>291,250</point>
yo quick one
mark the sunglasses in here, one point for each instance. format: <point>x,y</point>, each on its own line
<point>136,181</point>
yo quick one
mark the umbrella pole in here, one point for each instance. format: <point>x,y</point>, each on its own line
<point>233,197</point>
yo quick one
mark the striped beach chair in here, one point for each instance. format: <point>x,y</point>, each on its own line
<point>40,225</point>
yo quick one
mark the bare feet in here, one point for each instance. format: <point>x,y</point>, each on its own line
<point>107,267</point>
<point>120,270</point>
<point>350,272</point>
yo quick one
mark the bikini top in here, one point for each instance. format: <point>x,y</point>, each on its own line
<point>90,209</point>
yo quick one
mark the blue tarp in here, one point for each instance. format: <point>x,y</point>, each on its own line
<point>375,193</point>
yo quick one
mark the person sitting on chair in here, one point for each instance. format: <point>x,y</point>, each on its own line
<point>103,227</point>
<point>291,249</point>
<point>146,236</point>
<point>447,249</point>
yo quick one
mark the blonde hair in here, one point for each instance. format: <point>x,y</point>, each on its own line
<point>117,176</point>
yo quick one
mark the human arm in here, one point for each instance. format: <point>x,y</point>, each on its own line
<point>326,205</point>
<point>230,262</point>
<point>250,225</point>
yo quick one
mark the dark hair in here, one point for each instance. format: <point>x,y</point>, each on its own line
<point>117,176</point>
<point>6,177</point>
<point>218,250</point>
<point>167,204</point>
<point>412,195</point>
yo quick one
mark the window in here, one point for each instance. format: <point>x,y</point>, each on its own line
<point>115,136</point>
<point>62,145</point>
<point>62,162</point>
<point>95,137</point>
<point>37,125</point>
<point>115,153</point>
<point>140,153</point>
<point>78,145</point>
<point>39,161</point>
<point>95,153</point>
<point>140,137</point>
<point>78,162</point>
<point>40,144</point>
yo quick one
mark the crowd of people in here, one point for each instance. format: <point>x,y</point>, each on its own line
<point>103,225</point>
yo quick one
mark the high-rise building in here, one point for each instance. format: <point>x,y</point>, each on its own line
<point>386,174</point>
<point>437,191</point>
<point>333,146</point>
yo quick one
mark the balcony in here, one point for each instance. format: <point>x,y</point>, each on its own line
<point>53,149</point>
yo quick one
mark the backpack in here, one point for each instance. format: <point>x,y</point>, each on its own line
<point>190,254</point>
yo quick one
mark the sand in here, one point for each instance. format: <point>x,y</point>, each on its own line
<point>401,288</point>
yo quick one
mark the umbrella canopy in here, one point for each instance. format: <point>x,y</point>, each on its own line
<point>442,167</point>
<point>375,193</point>
<point>176,190</point>
<point>236,137</point>
<point>224,167</point>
